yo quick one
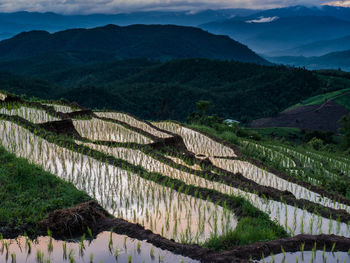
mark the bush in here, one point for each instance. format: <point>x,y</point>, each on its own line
<point>326,137</point>
<point>245,133</point>
<point>316,144</point>
<point>229,137</point>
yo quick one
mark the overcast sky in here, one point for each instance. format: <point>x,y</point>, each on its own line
<point>116,6</point>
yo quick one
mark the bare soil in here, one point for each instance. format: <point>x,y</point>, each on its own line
<point>316,117</point>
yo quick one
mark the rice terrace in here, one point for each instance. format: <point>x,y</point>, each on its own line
<point>139,191</point>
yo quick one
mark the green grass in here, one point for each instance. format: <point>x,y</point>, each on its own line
<point>249,230</point>
<point>28,193</point>
<point>280,132</point>
<point>322,98</point>
<point>344,101</point>
<point>223,132</point>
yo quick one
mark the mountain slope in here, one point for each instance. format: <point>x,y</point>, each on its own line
<point>170,90</point>
<point>281,33</point>
<point>156,41</point>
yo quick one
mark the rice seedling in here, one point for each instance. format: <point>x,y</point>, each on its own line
<point>50,245</point>
<point>31,114</point>
<point>71,256</point>
<point>196,142</point>
<point>13,258</point>
<point>100,130</point>
<point>151,253</point>
<point>60,108</point>
<point>165,195</point>
<point>89,232</point>
<point>64,248</point>
<point>139,247</point>
<point>123,117</point>
<point>333,247</point>
<point>39,256</point>
<point>82,245</point>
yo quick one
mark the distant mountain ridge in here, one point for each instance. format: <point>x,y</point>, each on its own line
<point>334,60</point>
<point>299,11</point>
<point>17,22</point>
<point>294,26</point>
<point>152,41</point>
<point>317,48</point>
<point>282,33</point>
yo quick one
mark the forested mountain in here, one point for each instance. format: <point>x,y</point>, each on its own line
<point>169,90</point>
<point>155,41</point>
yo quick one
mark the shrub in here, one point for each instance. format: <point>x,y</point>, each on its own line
<point>316,143</point>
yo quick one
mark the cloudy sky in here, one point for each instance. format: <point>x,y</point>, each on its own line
<point>116,6</point>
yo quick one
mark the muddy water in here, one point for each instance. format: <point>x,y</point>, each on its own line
<point>133,122</point>
<point>30,114</point>
<point>266,178</point>
<point>164,211</point>
<point>309,256</point>
<point>100,130</point>
<point>196,142</point>
<point>122,193</point>
<point>100,249</point>
<point>60,108</point>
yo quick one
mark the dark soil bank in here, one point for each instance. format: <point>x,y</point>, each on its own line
<point>324,118</point>
<point>74,222</point>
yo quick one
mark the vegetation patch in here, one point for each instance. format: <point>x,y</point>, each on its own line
<point>248,231</point>
<point>28,193</point>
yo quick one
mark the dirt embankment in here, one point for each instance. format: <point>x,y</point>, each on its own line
<point>323,118</point>
<point>63,127</point>
<point>75,222</point>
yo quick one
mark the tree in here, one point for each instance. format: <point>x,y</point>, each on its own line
<point>203,106</point>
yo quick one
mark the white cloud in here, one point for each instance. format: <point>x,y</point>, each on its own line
<point>263,19</point>
<point>339,3</point>
<point>116,6</point>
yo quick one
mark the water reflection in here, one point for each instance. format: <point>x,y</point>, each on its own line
<point>102,249</point>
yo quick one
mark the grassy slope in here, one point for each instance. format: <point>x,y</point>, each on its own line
<point>344,100</point>
<point>280,132</point>
<point>339,83</point>
<point>28,194</point>
<point>319,99</point>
